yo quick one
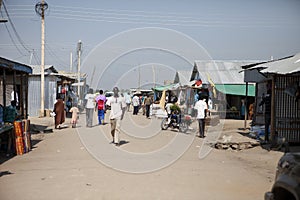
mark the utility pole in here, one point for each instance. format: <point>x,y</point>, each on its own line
<point>78,66</point>
<point>154,76</point>
<point>40,9</point>
<point>71,62</point>
<point>139,86</point>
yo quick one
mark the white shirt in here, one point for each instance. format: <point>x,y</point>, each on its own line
<point>117,105</point>
<point>201,106</point>
<point>127,99</point>
<point>168,108</point>
<point>135,101</point>
<point>90,101</point>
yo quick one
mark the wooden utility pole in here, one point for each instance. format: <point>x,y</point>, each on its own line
<point>71,62</point>
<point>40,9</point>
<point>78,66</point>
<point>43,62</point>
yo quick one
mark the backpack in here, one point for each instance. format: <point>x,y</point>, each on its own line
<point>100,104</point>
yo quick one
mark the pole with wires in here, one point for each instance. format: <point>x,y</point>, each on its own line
<point>78,66</point>
<point>40,9</point>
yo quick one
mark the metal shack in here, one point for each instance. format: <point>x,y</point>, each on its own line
<point>226,80</point>
<point>14,85</point>
<point>282,78</point>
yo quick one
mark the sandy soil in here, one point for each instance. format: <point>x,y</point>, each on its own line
<point>60,166</point>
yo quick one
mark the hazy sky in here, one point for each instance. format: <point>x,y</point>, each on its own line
<point>225,29</point>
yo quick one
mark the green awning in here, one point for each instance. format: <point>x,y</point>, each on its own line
<point>236,89</point>
<point>167,87</point>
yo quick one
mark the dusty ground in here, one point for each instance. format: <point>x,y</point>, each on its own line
<point>61,167</point>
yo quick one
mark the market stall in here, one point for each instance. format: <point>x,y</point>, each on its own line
<point>14,107</point>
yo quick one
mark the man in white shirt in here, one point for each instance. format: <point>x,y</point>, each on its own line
<point>118,106</point>
<point>128,101</point>
<point>201,108</point>
<point>89,106</point>
<point>136,104</point>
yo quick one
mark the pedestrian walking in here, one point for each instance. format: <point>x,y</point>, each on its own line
<point>74,110</point>
<point>128,101</point>
<point>201,108</point>
<point>59,110</point>
<point>136,104</point>
<point>147,104</point>
<point>118,107</point>
<point>100,106</point>
<point>89,107</point>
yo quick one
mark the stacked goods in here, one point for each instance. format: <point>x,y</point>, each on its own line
<point>18,126</point>
<point>26,135</point>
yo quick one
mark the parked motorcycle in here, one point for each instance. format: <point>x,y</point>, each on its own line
<point>177,121</point>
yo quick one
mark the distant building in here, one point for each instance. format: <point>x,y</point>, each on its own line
<point>56,82</point>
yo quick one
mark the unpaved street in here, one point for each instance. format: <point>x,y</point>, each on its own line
<point>61,167</point>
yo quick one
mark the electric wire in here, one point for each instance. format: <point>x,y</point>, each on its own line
<point>152,18</point>
<point>16,34</point>
<point>53,55</point>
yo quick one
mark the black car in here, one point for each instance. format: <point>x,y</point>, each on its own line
<point>287,181</point>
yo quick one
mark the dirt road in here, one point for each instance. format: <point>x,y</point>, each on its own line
<point>66,164</point>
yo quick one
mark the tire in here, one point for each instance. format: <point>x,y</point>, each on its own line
<point>164,124</point>
<point>183,127</point>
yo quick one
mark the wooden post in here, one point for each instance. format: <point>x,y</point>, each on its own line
<point>4,88</point>
<point>273,110</point>
<point>246,102</point>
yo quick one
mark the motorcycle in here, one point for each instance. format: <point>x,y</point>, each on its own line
<point>177,121</point>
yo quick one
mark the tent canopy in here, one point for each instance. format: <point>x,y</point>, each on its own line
<point>236,89</point>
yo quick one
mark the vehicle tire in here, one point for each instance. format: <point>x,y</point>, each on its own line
<point>164,124</point>
<point>183,127</point>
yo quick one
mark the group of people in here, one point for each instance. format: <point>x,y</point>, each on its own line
<point>98,103</point>
<point>144,102</point>
<point>118,104</point>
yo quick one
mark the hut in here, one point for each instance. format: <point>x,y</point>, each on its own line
<point>282,78</point>
<point>14,125</point>
<point>225,82</point>
<point>56,83</point>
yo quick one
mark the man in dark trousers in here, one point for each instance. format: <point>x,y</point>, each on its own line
<point>267,102</point>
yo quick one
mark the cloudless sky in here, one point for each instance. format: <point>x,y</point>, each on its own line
<point>227,29</point>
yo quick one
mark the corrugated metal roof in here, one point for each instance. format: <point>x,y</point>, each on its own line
<point>287,65</point>
<point>36,69</point>
<point>15,65</point>
<point>51,70</point>
<point>183,77</point>
<point>221,72</point>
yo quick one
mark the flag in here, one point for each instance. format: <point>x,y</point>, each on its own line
<point>212,84</point>
<point>163,100</point>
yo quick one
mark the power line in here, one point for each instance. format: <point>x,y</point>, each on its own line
<point>153,18</point>
<point>14,29</point>
<point>53,54</point>
<point>16,34</point>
